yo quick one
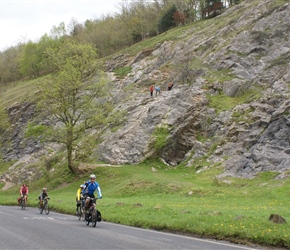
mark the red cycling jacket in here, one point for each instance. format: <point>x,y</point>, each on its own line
<point>23,190</point>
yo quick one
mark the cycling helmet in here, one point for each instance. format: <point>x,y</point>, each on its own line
<point>92,176</point>
<point>44,189</point>
<point>82,186</point>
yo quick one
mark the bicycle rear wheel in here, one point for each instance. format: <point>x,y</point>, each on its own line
<point>79,212</point>
<point>46,208</point>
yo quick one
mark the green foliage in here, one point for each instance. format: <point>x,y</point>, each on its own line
<point>166,22</point>
<point>35,130</point>
<point>4,121</point>
<point>122,72</point>
<point>177,200</point>
<point>4,165</point>
<point>220,76</point>
<point>160,135</point>
<point>9,64</point>
<point>223,102</point>
<point>244,115</point>
<point>75,94</point>
<point>116,119</point>
<point>30,62</point>
<point>267,176</point>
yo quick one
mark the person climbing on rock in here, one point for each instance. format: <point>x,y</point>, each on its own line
<point>158,90</point>
<point>151,90</point>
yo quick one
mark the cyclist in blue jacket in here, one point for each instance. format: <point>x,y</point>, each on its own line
<point>91,187</point>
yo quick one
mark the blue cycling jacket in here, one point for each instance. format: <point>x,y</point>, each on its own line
<point>91,188</point>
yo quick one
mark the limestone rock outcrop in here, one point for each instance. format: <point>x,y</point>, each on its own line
<point>244,51</point>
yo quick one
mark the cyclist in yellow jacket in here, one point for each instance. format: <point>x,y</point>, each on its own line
<point>79,196</point>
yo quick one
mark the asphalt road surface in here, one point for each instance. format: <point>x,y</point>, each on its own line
<point>28,229</point>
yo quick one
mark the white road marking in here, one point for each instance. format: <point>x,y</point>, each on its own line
<point>38,218</point>
<point>8,214</point>
<point>44,218</point>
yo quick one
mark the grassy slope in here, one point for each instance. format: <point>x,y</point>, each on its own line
<point>178,200</point>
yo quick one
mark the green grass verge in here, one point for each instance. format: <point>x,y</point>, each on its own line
<point>178,200</point>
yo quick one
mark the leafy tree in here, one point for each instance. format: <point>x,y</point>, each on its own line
<point>167,20</point>
<point>75,28</point>
<point>178,18</point>
<point>9,64</point>
<point>58,31</point>
<point>74,95</point>
<point>30,62</point>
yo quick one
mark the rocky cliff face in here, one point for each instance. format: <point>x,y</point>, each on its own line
<point>243,52</point>
<point>254,46</point>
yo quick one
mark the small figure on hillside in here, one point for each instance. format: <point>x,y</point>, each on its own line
<point>23,192</point>
<point>151,89</point>
<point>42,196</point>
<point>158,90</point>
<point>170,86</point>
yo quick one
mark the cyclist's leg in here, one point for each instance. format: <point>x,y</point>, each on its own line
<point>40,203</point>
<point>87,203</point>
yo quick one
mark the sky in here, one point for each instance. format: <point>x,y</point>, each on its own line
<point>24,20</point>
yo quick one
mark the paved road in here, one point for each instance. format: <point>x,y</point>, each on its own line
<point>27,229</point>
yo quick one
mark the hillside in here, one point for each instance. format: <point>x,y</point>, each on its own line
<point>229,105</point>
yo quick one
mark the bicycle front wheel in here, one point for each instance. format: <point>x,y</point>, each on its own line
<point>46,208</point>
<point>23,204</point>
<point>40,209</point>
<point>94,218</point>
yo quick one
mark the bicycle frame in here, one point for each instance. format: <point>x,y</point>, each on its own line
<point>23,201</point>
<point>91,216</point>
<point>44,206</point>
<point>80,209</point>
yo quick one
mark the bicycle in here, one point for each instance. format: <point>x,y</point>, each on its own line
<point>80,210</point>
<point>44,206</point>
<point>23,202</point>
<point>92,215</point>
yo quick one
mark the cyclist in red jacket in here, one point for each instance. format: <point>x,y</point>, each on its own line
<point>23,192</point>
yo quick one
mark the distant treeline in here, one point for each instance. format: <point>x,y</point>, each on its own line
<point>134,22</point>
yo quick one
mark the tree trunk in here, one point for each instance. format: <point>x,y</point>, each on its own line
<point>69,147</point>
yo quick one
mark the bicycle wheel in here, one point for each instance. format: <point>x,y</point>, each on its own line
<point>46,208</point>
<point>94,218</point>
<point>41,208</point>
<point>23,203</point>
<point>79,212</point>
<point>87,219</point>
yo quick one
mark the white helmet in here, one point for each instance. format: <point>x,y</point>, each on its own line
<point>92,176</point>
<point>82,186</point>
